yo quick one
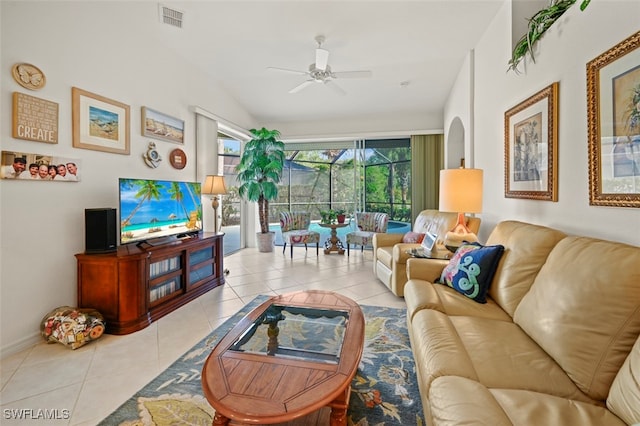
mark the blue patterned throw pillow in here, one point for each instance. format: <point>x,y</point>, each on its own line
<point>471,270</point>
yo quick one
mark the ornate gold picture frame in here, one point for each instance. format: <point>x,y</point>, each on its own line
<point>613,105</point>
<point>531,147</point>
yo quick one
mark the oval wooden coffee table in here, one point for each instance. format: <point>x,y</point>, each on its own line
<point>289,357</point>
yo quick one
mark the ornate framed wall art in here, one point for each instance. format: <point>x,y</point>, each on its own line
<point>613,105</point>
<point>161,126</point>
<point>99,123</point>
<point>531,147</point>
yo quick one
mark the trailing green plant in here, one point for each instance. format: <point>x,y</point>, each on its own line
<point>259,171</point>
<point>538,25</point>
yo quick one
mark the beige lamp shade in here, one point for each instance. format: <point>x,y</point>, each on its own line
<point>461,190</point>
<point>214,185</point>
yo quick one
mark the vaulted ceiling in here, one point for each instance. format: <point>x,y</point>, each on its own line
<point>414,50</point>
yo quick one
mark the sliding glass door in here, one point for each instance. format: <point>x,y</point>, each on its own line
<point>229,150</point>
<point>362,175</point>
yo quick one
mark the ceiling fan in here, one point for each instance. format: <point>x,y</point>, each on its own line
<point>320,71</point>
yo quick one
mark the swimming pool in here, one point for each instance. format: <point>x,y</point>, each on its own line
<point>394,227</point>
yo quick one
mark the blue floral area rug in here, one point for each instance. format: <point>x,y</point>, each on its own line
<point>384,390</point>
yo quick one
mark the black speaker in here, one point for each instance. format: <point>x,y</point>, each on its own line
<point>100,230</point>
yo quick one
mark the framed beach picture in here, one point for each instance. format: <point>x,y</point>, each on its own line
<point>99,123</point>
<point>613,104</point>
<point>161,126</point>
<point>531,147</point>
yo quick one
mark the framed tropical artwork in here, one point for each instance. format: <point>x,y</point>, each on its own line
<point>613,103</point>
<point>531,147</point>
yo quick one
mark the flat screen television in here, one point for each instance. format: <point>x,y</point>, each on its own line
<point>158,211</point>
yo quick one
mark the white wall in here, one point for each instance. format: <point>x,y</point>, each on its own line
<point>42,224</point>
<point>562,55</point>
<point>459,106</point>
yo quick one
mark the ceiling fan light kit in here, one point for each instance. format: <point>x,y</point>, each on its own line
<point>320,71</point>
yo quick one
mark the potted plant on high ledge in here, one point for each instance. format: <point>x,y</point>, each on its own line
<point>259,171</point>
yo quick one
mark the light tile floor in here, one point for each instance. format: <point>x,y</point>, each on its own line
<point>84,386</point>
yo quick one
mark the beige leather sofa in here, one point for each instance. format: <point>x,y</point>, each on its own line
<point>389,252</point>
<point>555,344</point>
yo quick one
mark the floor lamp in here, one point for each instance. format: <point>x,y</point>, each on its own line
<point>460,192</point>
<point>214,185</point>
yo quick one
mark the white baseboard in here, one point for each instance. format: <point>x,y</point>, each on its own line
<point>20,345</point>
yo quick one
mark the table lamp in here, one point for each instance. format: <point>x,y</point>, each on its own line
<point>460,192</point>
<point>214,185</point>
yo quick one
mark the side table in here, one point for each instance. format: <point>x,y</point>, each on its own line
<point>333,243</point>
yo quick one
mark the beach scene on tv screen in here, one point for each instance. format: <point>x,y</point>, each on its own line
<point>152,209</point>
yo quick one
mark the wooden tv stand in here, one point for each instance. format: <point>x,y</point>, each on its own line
<point>139,284</point>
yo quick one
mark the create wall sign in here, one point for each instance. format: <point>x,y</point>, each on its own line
<point>34,119</point>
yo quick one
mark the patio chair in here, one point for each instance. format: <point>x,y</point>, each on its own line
<point>367,225</point>
<point>295,230</point>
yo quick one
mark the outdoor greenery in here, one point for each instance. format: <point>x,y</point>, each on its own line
<point>377,178</point>
<point>323,180</point>
<point>538,24</point>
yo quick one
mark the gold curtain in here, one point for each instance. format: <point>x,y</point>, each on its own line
<point>427,159</point>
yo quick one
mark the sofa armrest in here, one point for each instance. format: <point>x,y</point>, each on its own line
<point>385,240</point>
<point>400,254</point>
<point>425,269</point>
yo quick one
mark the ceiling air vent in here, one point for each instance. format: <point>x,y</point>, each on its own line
<point>171,16</point>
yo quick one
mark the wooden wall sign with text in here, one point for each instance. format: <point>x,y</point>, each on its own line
<point>34,119</point>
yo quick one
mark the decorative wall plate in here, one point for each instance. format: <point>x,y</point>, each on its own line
<point>178,159</point>
<point>28,76</point>
<point>152,157</point>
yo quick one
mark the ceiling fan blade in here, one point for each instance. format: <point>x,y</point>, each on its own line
<point>333,86</point>
<point>288,70</point>
<point>301,86</point>
<point>352,74</point>
<point>322,59</point>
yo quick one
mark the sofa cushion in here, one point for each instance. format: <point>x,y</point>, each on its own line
<point>496,353</point>
<point>413,237</point>
<point>420,295</point>
<point>583,309</point>
<point>526,249</point>
<point>458,401</point>
<point>512,360</point>
<point>624,396</point>
<point>471,270</point>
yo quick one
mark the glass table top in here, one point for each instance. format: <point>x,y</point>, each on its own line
<point>295,332</point>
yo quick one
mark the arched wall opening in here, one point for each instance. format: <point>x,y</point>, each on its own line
<point>454,152</point>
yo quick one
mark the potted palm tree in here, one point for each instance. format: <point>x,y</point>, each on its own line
<point>259,172</point>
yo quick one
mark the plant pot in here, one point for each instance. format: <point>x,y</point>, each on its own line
<point>341,218</point>
<point>265,241</point>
